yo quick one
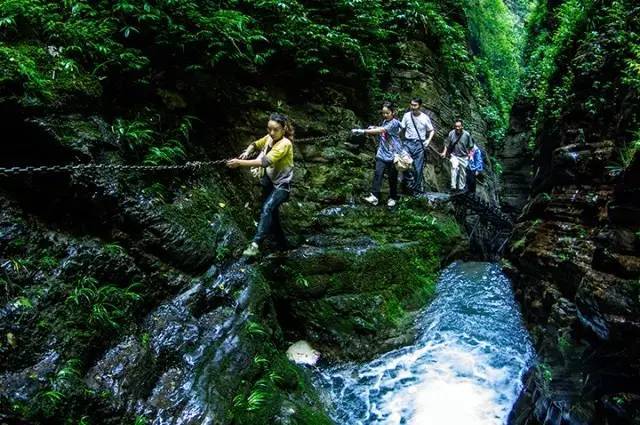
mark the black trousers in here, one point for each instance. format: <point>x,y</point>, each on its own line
<point>471,181</point>
<point>413,178</point>
<point>392,173</point>
<point>272,198</point>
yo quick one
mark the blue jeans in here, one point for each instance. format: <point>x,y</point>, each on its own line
<point>414,177</point>
<point>272,198</point>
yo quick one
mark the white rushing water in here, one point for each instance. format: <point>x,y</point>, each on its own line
<point>465,367</point>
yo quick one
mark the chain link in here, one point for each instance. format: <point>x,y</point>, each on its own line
<point>193,165</point>
<point>474,203</point>
<point>337,135</point>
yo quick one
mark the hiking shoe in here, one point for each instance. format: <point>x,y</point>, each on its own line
<point>252,250</point>
<point>371,199</point>
<point>391,203</point>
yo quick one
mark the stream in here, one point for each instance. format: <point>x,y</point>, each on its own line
<point>465,367</point>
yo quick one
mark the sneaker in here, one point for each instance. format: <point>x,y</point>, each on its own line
<point>371,199</point>
<point>391,203</point>
<point>252,250</point>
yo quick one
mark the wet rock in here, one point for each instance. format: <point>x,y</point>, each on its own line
<point>579,163</point>
<point>90,257</point>
<point>192,355</point>
<point>575,268</point>
<point>169,405</point>
<point>618,407</point>
<point>12,227</point>
<point>617,239</point>
<point>286,416</point>
<point>85,137</point>
<point>344,302</point>
<point>23,385</point>
<point>116,371</point>
<point>626,266</point>
<point>516,160</point>
<point>624,214</point>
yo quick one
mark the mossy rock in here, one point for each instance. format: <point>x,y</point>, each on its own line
<point>87,136</point>
<point>255,379</point>
<point>349,301</point>
<point>37,76</point>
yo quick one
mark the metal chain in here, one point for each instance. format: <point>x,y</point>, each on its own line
<point>339,134</point>
<point>481,207</point>
<point>194,165</point>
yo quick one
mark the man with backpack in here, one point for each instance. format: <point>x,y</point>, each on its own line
<point>458,144</point>
<point>416,125</point>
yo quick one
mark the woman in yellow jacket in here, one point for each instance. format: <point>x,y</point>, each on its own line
<point>276,162</point>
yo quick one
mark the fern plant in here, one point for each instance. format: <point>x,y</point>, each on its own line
<point>134,133</point>
<point>101,305</point>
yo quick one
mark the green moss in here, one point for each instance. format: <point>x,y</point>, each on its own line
<point>276,385</point>
<point>65,398</point>
<point>411,221</point>
<point>204,213</point>
<point>545,374</point>
<point>347,298</point>
<point>564,343</point>
<point>351,297</point>
<point>18,243</point>
<point>42,78</point>
<point>47,260</point>
<point>78,133</point>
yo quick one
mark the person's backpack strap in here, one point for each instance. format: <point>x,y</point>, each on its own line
<point>472,141</point>
<point>453,145</point>
<point>415,126</point>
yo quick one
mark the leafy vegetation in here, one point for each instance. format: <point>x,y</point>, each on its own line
<point>128,46</point>
<point>156,69</point>
<point>65,395</point>
<point>131,36</point>
<point>550,45</point>
<point>499,39</point>
<point>583,65</point>
<point>102,306</point>
<point>272,378</point>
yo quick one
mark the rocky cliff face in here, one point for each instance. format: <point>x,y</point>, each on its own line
<point>123,296</point>
<point>122,302</point>
<point>517,161</point>
<point>575,253</point>
<point>576,264</point>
